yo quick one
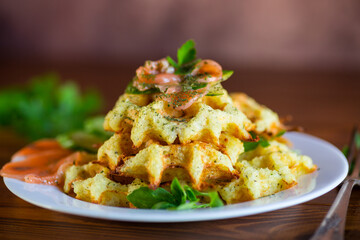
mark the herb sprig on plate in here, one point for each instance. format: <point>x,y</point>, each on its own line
<point>262,141</point>
<point>179,198</point>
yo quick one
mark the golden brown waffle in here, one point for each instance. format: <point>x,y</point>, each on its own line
<point>157,121</point>
<point>198,163</point>
<point>265,120</point>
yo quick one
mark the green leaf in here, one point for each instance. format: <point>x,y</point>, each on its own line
<point>186,53</point>
<point>279,134</point>
<point>248,146</point>
<point>143,198</point>
<point>160,198</point>
<point>226,74</point>
<point>162,195</point>
<point>80,140</point>
<point>264,142</point>
<point>130,89</point>
<point>178,191</point>
<point>172,62</point>
<point>190,194</point>
<point>163,205</point>
<point>189,205</point>
<point>45,107</point>
<point>196,86</point>
<point>215,200</point>
<point>357,140</point>
<point>95,126</point>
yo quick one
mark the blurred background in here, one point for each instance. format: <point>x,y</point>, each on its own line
<point>271,34</point>
<point>273,46</point>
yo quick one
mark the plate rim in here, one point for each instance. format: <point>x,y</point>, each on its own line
<point>229,211</point>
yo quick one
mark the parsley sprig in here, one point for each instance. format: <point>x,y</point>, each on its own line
<point>262,141</point>
<point>186,56</point>
<point>179,198</point>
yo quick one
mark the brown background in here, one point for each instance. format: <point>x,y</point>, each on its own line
<point>297,34</point>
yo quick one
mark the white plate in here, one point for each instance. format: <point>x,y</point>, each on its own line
<point>331,162</point>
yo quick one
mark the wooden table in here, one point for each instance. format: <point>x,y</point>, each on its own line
<point>327,104</point>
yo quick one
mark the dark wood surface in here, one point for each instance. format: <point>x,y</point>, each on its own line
<point>327,104</point>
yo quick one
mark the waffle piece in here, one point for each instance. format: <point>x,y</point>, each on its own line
<point>115,150</point>
<point>99,189</point>
<point>265,120</point>
<point>156,121</point>
<point>198,163</point>
<point>76,173</point>
<point>265,171</point>
<point>90,182</point>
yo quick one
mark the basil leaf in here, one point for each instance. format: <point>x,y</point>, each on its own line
<point>186,53</point>
<point>142,198</point>
<point>215,200</point>
<point>163,205</point>
<point>248,146</point>
<point>279,134</point>
<point>145,197</point>
<point>189,205</point>
<point>264,142</point>
<point>190,193</point>
<point>172,62</point>
<point>226,74</point>
<point>178,192</point>
<point>162,195</point>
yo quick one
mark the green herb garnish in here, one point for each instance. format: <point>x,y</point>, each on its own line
<point>345,150</point>
<point>357,140</point>
<point>179,198</point>
<point>45,108</point>
<point>130,89</point>
<point>185,55</point>
<point>88,139</point>
<point>263,142</point>
<point>226,74</point>
<point>280,133</point>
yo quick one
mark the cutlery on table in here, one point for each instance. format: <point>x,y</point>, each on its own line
<point>333,225</point>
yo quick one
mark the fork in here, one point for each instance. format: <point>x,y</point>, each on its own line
<point>333,225</point>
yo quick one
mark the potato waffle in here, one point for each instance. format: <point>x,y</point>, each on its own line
<point>157,121</point>
<point>265,120</point>
<point>265,171</point>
